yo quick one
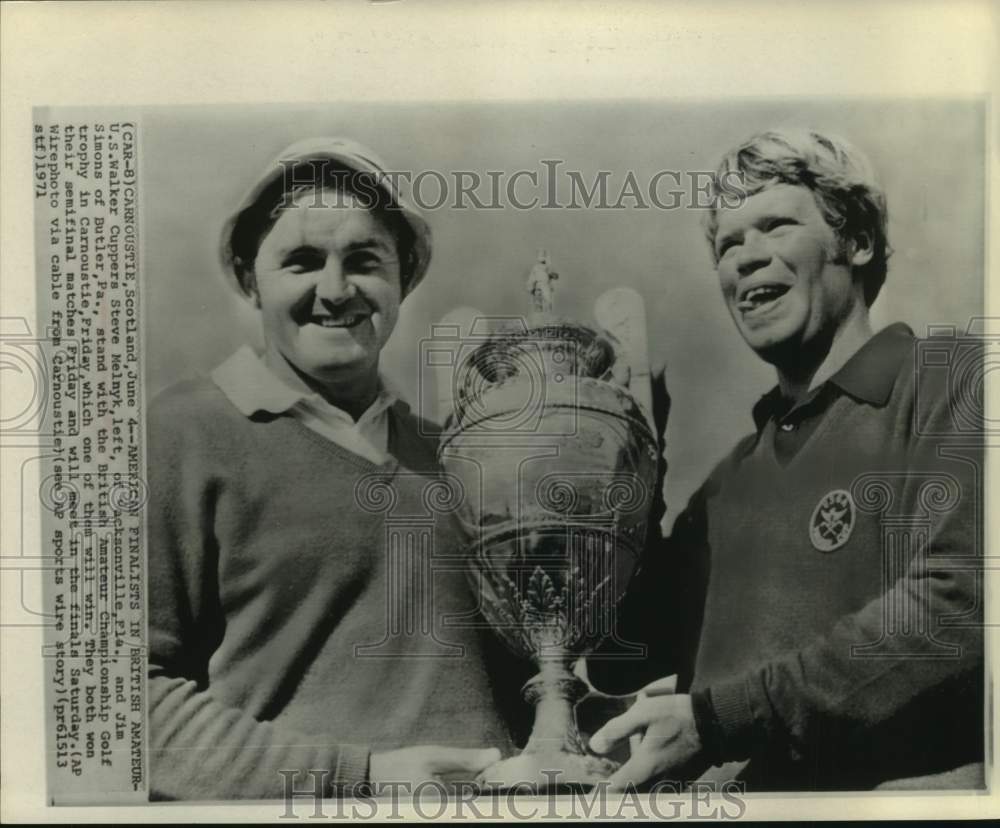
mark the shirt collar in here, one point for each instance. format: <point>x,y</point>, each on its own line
<point>252,387</point>
<point>869,375</point>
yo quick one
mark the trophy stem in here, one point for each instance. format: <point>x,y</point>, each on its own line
<point>554,692</point>
<point>555,755</point>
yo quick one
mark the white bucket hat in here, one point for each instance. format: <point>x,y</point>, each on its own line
<point>241,233</point>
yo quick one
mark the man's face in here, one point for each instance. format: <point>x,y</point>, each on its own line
<point>328,286</point>
<point>781,273</point>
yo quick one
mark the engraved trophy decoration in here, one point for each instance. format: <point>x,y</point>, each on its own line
<point>550,433</point>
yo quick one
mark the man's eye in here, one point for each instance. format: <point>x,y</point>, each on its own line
<point>303,261</point>
<point>363,263</point>
<point>778,223</point>
<point>725,247</point>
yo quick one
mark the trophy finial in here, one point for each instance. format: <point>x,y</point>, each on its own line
<point>541,287</point>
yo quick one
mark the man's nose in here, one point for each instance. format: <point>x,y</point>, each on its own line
<point>754,254</point>
<point>331,283</point>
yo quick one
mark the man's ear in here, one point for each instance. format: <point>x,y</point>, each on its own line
<point>861,249</point>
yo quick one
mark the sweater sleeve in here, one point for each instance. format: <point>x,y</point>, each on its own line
<point>200,747</point>
<point>835,690</point>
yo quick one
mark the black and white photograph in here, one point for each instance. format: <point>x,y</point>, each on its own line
<point>785,596</point>
<point>506,456</point>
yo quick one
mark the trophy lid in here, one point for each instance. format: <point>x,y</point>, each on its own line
<point>542,349</point>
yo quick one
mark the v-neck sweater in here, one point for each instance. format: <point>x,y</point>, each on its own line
<point>849,659</point>
<point>307,606</point>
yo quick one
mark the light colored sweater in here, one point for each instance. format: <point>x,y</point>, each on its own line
<point>294,623</point>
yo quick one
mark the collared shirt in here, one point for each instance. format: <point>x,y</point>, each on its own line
<point>867,376</point>
<point>253,387</point>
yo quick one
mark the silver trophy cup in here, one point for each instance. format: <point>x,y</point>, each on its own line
<point>560,461</point>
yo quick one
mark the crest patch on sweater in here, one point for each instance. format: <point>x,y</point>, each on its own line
<point>832,521</point>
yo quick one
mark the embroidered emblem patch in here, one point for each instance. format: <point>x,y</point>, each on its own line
<point>832,521</point>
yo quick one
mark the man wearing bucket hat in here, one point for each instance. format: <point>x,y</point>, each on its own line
<point>278,659</point>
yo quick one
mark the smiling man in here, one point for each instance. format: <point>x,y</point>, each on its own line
<point>806,598</point>
<point>278,655</point>
<point>789,283</point>
<point>326,279</point>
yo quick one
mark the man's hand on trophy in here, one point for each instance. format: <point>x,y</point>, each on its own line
<point>663,735</point>
<point>429,762</point>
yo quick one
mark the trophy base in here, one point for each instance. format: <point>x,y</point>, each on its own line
<point>554,771</point>
<point>555,758</point>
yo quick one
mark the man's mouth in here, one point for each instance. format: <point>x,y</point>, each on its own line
<point>346,320</point>
<point>760,297</point>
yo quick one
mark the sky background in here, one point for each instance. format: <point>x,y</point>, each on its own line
<point>198,161</point>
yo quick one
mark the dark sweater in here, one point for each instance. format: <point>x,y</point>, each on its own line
<point>293,625</point>
<point>797,652</point>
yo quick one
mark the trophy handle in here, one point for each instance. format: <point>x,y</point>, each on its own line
<point>621,312</point>
<point>453,331</point>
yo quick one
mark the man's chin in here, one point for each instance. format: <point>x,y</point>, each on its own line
<point>773,347</point>
<point>792,355</point>
<point>340,371</point>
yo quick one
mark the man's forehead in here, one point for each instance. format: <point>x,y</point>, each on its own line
<point>329,215</point>
<point>784,199</point>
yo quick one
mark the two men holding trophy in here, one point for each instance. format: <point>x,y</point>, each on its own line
<point>764,629</point>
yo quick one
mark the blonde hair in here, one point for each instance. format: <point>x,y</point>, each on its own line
<point>841,177</point>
